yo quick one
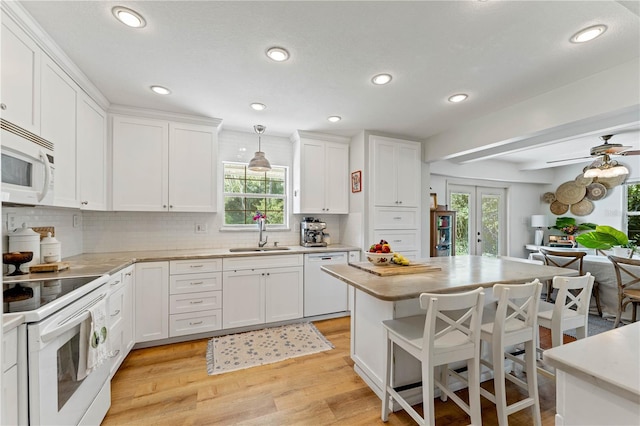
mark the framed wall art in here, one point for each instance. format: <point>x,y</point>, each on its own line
<point>356,181</point>
<point>433,201</point>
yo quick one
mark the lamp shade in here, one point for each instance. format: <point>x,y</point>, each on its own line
<point>538,221</point>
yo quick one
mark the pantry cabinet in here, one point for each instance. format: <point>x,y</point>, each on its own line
<point>321,174</point>
<point>151,301</point>
<point>92,154</point>
<point>19,77</point>
<point>395,174</point>
<point>163,165</point>
<point>260,290</point>
<point>58,125</point>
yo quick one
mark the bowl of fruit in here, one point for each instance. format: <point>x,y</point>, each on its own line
<point>379,254</point>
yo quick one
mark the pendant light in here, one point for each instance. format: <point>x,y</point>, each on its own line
<point>259,162</point>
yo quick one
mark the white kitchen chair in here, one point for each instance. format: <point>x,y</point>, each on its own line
<point>571,309</point>
<point>515,323</point>
<point>448,333</point>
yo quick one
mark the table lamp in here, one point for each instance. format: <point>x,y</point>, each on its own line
<point>538,221</point>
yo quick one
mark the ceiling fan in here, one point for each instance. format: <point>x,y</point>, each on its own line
<point>605,150</point>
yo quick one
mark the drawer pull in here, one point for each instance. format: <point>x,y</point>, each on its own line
<point>195,302</point>
<point>114,353</point>
<point>196,266</point>
<point>116,313</point>
<point>196,282</point>
<point>397,241</point>
<point>128,274</point>
<point>196,323</point>
<point>116,282</point>
<point>397,218</point>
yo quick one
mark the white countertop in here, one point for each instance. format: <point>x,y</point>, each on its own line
<point>11,321</point>
<point>608,360</point>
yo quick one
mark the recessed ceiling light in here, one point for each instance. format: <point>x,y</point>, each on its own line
<point>278,54</point>
<point>258,106</point>
<point>160,90</point>
<point>129,17</point>
<point>334,118</point>
<point>458,97</point>
<point>381,79</point>
<point>588,34</point>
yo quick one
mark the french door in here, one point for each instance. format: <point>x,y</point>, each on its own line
<point>480,219</point>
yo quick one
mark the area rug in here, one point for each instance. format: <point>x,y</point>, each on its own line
<point>597,325</point>
<point>243,350</point>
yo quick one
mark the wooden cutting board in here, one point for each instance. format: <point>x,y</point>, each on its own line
<point>393,269</point>
<point>49,267</point>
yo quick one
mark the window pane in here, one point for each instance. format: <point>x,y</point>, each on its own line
<point>234,204</point>
<point>256,185</point>
<point>460,203</point>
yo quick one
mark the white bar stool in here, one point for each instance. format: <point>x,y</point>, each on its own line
<point>449,332</point>
<point>515,323</point>
<point>563,317</point>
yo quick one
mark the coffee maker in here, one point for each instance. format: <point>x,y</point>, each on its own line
<point>312,232</point>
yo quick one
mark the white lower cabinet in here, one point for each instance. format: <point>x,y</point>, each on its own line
<point>151,301</point>
<point>260,290</point>
<point>195,296</point>
<point>120,311</point>
<point>10,378</point>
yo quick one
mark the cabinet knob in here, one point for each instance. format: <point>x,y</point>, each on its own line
<point>164,206</point>
<point>84,203</point>
<point>170,206</point>
<point>399,202</point>
<point>3,106</point>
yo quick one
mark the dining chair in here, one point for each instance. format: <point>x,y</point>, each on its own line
<point>448,333</point>
<point>515,323</point>
<point>628,276</point>
<point>571,309</point>
<point>567,259</point>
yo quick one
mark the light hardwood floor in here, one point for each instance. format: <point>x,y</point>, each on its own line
<point>169,385</point>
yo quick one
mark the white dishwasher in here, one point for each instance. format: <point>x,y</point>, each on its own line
<point>324,294</point>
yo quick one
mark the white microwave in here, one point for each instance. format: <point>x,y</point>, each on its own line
<point>27,167</point>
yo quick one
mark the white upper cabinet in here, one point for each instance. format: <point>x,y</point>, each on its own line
<point>20,77</point>
<point>193,159</point>
<point>320,174</point>
<point>395,174</point>
<point>140,164</point>
<point>92,154</point>
<point>163,166</point>
<point>58,125</point>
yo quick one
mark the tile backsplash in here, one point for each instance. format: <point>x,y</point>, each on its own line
<point>128,231</point>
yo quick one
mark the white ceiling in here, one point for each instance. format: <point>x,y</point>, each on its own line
<point>211,54</point>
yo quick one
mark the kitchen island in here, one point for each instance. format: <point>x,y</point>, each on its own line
<point>375,299</point>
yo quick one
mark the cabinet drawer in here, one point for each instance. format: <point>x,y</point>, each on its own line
<point>194,266</point>
<point>399,240</point>
<point>115,282</point>
<point>259,262</point>
<point>195,283</point>
<point>193,302</point>
<point>392,218</point>
<point>196,322</point>
<point>116,347</point>
<point>114,307</point>
<point>9,349</point>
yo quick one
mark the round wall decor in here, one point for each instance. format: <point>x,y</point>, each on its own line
<point>596,191</point>
<point>583,181</point>
<point>570,193</point>
<point>558,208</point>
<point>612,181</point>
<point>582,207</point>
<point>549,197</point>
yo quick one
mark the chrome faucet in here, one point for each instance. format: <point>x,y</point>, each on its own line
<point>262,226</point>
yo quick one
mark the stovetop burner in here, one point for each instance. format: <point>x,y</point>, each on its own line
<point>25,296</point>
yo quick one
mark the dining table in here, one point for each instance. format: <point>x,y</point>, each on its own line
<point>374,298</point>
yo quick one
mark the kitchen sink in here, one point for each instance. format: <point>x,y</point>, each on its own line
<point>243,249</point>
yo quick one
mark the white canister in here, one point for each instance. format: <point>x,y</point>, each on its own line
<point>50,249</point>
<point>25,239</point>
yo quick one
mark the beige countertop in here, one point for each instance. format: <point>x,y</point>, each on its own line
<point>89,264</point>
<point>458,273</point>
<point>607,360</point>
<point>11,321</point>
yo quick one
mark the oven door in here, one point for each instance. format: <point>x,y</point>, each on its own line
<point>56,396</point>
